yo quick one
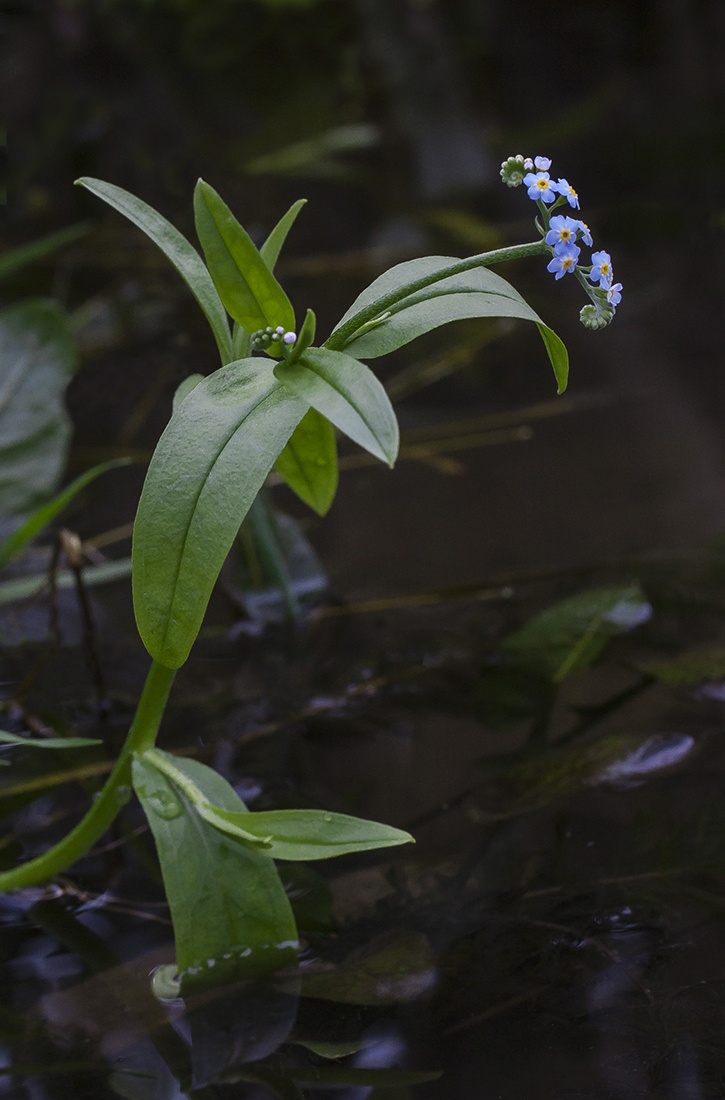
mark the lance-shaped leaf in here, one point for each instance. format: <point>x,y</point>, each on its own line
<point>15,258</point>
<point>272,247</point>
<point>309,462</point>
<point>41,517</point>
<point>209,465</point>
<point>176,248</point>
<point>349,395</point>
<point>280,834</point>
<point>37,361</point>
<point>47,742</point>
<point>475,293</point>
<point>245,284</point>
<point>230,913</point>
<point>306,834</point>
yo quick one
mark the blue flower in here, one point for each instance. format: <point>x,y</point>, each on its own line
<point>564,259</point>
<point>585,232</point>
<point>562,230</point>
<point>601,269</point>
<point>542,163</point>
<point>614,294</point>
<point>540,186</point>
<point>565,188</point>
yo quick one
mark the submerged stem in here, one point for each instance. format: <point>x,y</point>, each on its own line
<point>341,336</point>
<point>115,792</point>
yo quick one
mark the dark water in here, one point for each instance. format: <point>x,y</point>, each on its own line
<point>557,931</point>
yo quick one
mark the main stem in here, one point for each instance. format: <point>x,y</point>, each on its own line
<point>115,792</point>
<point>342,335</point>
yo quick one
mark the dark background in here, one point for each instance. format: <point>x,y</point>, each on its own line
<point>408,107</point>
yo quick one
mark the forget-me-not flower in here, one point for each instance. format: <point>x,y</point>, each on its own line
<point>585,232</point>
<point>565,188</point>
<point>601,269</point>
<point>562,230</point>
<point>564,259</point>
<point>540,186</point>
<point>614,294</point>
<point>542,163</point>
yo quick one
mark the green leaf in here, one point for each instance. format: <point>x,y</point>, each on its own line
<point>571,634</point>
<point>184,389</point>
<point>247,287</point>
<point>272,247</point>
<point>44,515</point>
<point>209,465</point>
<point>37,361</point>
<point>47,742</point>
<point>230,913</point>
<point>176,248</point>
<point>349,395</point>
<point>283,834</point>
<point>15,258</point>
<point>475,293</point>
<point>309,462</point>
<point>306,834</point>
<point>304,338</point>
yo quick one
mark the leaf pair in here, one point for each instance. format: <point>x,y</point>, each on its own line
<point>229,909</point>
<point>477,292</point>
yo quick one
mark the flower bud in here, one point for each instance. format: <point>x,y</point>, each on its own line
<point>596,316</point>
<point>513,171</point>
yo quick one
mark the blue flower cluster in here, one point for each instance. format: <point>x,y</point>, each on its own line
<point>562,233</point>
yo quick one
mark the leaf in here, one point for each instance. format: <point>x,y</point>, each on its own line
<point>15,258</point>
<point>571,634</point>
<point>209,464</point>
<point>176,248</point>
<point>475,293</point>
<point>272,247</point>
<point>283,834</point>
<point>37,361</point>
<point>304,338</point>
<point>230,913</point>
<point>184,389</point>
<point>44,515</point>
<point>333,1050</point>
<point>349,395</point>
<point>309,462</point>
<point>246,286</point>
<point>306,834</point>
<point>47,742</point>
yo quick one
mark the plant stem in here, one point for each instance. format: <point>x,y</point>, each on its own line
<point>341,336</point>
<point>115,792</point>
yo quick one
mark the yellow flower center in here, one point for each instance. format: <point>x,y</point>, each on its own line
<point>571,191</point>
<point>567,262</point>
<point>543,184</point>
<point>565,234</point>
<point>605,269</point>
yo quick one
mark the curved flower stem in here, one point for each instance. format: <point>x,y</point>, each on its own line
<point>341,336</point>
<point>115,792</point>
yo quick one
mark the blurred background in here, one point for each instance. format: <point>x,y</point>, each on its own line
<point>392,117</point>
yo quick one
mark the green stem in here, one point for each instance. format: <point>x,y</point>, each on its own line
<point>342,336</point>
<point>141,737</point>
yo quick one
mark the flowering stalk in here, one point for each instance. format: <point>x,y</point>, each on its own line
<point>561,233</point>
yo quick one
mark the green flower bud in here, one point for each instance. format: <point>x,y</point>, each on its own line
<point>513,171</point>
<point>596,316</point>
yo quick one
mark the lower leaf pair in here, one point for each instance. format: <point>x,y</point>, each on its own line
<point>230,913</point>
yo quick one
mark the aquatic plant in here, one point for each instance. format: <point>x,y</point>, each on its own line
<point>275,401</point>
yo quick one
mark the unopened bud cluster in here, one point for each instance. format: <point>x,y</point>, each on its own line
<point>263,338</point>
<point>561,235</point>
